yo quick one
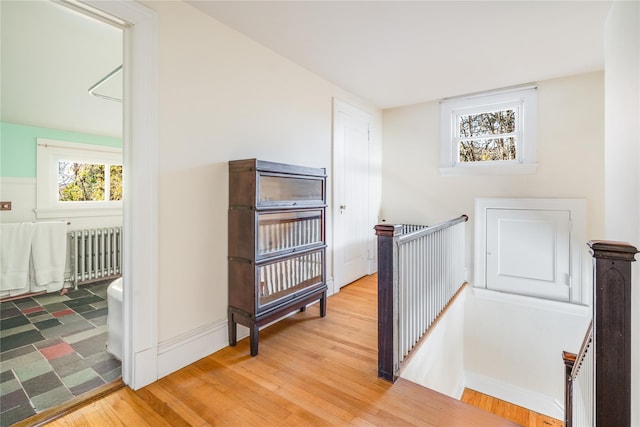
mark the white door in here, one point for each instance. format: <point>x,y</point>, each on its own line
<point>352,230</point>
<point>528,252</point>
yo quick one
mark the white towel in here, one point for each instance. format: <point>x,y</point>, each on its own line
<point>48,254</point>
<point>15,251</point>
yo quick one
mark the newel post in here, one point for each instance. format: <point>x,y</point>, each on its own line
<point>387,324</point>
<point>612,331</point>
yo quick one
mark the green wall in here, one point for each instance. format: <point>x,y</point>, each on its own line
<point>18,146</point>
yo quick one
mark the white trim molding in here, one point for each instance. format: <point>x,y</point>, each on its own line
<point>180,351</point>
<point>140,263</point>
<point>522,100</point>
<point>579,289</point>
<point>49,153</point>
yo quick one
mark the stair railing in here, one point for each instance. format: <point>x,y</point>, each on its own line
<point>420,269</point>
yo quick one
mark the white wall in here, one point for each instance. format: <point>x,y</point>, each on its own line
<point>569,152</point>
<point>622,153</point>
<point>221,97</point>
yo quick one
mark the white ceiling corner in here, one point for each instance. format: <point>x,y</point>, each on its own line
<point>395,53</point>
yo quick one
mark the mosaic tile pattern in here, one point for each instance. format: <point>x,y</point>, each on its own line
<point>52,349</point>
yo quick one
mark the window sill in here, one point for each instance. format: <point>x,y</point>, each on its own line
<point>493,169</point>
<point>76,213</point>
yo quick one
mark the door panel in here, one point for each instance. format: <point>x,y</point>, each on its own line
<point>352,231</point>
<point>528,252</point>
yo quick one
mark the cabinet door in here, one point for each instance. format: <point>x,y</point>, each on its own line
<point>288,231</point>
<point>529,252</point>
<point>288,278</point>
<point>287,190</point>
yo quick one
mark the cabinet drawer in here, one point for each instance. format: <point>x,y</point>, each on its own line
<point>282,232</point>
<point>279,190</point>
<point>284,279</point>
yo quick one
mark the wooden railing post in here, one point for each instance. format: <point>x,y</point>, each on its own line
<point>387,322</point>
<point>569,360</point>
<point>612,331</point>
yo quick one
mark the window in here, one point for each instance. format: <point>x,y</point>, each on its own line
<point>489,133</point>
<point>85,182</point>
<point>78,179</point>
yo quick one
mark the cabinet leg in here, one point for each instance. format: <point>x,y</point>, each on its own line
<point>323,305</point>
<point>254,335</point>
<point>232,325</point>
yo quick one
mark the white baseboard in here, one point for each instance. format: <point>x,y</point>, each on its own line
<point>145,369</point>
<point>180,351</point>
<point>459,390</point>
<point>529,399</point>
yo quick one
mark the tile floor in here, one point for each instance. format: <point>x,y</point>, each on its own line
<point>52,349</point>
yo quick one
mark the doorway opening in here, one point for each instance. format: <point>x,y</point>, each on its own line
<point>53,344</point>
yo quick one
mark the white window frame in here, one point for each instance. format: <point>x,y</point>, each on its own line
<point>49,153</point>
<point>523,99</point>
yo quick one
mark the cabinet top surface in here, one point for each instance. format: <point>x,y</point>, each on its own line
<point>264,166</point>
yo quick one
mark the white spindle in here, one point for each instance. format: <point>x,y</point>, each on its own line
<point>430,272</point>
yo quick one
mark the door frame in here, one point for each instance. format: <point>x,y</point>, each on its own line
<point>340,106</point>
<point>140,205</point>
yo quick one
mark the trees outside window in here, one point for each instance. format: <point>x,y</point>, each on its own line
<point>489,133</point>
<point>88,182</point>
<point>75,179</point>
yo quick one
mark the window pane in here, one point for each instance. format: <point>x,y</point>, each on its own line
<point>115,184</point>
<point>80,182</point>
<point>490,149</point>
<point>489,123</point>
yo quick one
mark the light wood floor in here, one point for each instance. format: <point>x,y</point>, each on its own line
<point>309,371</point>
<point>509,411</point>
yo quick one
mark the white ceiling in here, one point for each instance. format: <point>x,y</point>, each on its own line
<point>51,56</point>
<point>397,53</point>
<point>391,53</point>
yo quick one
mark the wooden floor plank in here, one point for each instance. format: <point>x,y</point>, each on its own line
<point>310,371</point>
<point>508,410</point>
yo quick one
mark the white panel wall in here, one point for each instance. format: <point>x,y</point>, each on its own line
<point>22,193</point>
<point>221,97</point>
<point>622,153</point>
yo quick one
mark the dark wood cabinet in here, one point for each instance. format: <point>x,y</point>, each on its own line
<point>276,243</point>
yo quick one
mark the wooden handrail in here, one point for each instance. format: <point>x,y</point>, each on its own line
<point>431,229</point>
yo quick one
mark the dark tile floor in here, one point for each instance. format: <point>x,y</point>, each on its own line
<point>52,349</point>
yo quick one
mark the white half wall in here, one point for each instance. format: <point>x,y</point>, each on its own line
<point>438,363</point>
<point>514,344</point>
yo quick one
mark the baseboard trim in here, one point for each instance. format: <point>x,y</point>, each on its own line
<point>529,399</point>
<point>178,352</point>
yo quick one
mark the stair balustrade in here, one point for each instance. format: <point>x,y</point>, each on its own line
<point>420,270</point>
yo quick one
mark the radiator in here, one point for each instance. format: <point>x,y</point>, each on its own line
<point>96,254</point>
